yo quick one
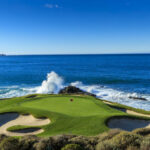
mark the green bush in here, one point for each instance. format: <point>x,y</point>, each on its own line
<point>106,145</point>
<point>142,131</point>
<point>108,135</point>
<point>72,147</point>
<point>113,140</point>
<point>28,142</point>
<point>43,144</point>
<point>59,141</point>
<point>125,139</point>
<point>145,144</point>
<point>9,143</point>
<point>2,137</point>
<point>87,142</point>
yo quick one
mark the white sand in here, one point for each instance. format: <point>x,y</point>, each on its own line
<point>27,120</point>
<point>128,123</point>
<point>136,113</point>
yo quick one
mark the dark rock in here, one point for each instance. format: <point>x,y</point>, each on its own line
<point>74,90</point>
<point>137,98</point>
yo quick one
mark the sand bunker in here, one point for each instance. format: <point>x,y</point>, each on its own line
<point>128,124</point>
<point>12,119</point>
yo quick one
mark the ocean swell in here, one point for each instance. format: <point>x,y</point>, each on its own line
<point>54,83</point>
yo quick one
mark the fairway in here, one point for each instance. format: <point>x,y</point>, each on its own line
<point>85,115</point>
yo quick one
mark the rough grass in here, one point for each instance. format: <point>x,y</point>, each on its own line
<point>129,108</point>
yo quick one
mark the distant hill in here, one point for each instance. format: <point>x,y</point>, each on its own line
<point>2,54</point>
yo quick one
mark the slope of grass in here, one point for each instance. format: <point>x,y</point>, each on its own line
<point>84,116</point>
<point>20,127</point>
<point>129,108</point>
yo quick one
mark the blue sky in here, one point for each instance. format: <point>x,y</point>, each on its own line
<point>74,26</point>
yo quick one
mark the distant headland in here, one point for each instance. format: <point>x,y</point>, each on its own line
<point>2,54</point>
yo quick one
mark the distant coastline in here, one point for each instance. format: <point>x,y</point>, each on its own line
<point>2,54</point>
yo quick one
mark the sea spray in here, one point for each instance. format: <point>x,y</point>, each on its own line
<point>52,85</point>
<point>114,95</point>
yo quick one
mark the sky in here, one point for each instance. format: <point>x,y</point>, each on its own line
<point>74,26</point>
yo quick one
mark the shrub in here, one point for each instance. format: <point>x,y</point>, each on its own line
<point>106,145</point>
<point>72,147</point>
<point>145,144</point>
<point>2,137</point>
<point>125,139</point>
<point>43,144</point>
<point>142,131</point>
<point>60,141</point>
<point>87,142</point>
<point>9,143</point>
<point>28,142</point>
<point>133,148</point>
<point>108,135</point>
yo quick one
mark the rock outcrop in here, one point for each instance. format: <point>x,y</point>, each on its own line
<point>74,90</point>
<point>137,98</point>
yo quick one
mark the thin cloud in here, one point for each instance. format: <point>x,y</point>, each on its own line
<point>51,6</point>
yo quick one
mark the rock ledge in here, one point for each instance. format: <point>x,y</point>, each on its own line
<point>74,90</point>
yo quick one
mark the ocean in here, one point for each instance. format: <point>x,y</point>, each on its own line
<point>115,78</point>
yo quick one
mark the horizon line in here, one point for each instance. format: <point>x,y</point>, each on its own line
<point>79,54</point>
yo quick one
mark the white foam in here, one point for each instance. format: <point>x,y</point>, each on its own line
<point>52,85</point>
<point>113,95</point>
<point>16,92</point>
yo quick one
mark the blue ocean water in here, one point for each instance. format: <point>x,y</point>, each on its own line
<point>110,77</point>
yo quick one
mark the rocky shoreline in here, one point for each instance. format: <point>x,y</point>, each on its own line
<point>74,90</point>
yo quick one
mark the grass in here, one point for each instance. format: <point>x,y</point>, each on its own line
<point>20,127</point>
<point>129,108</point>
<point>86,115</point>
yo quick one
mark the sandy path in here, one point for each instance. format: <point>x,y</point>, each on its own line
<point>27,120</point>
<point>130,111</point>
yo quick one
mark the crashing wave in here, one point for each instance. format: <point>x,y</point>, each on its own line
<point>54,83</point>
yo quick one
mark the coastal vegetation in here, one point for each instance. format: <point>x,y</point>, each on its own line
<point>112,140</point>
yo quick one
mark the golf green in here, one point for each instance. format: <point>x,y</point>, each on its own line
<point>80,115</point>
